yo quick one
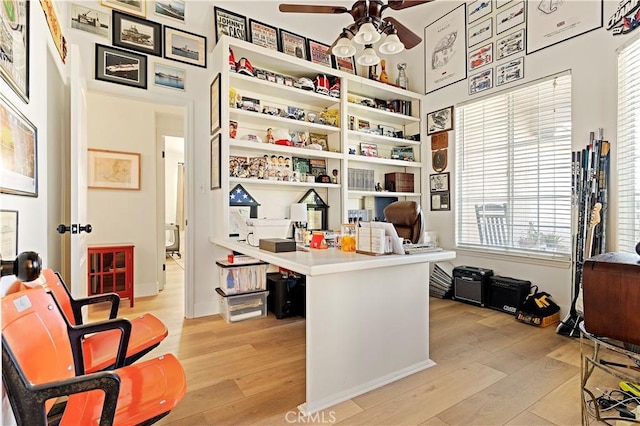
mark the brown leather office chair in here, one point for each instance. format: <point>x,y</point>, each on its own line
<point>406,217</point>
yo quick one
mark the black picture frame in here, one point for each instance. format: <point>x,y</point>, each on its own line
<point>320,53</point>
<point>8,234</point>
<point>16,72</point>
<point>440,120</point>
<point>119,61</point>
<point>216,112</point>
<point>441,201</point>
<point>264,35</point>
<point>347,65</point>
<point>216,157</point>
<point>439,182</point>
<point>183,46</point>
<point>131,32</point>
<point>230,24</point>
<point>293,44</point>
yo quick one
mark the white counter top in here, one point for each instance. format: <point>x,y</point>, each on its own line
<point>329,261</point>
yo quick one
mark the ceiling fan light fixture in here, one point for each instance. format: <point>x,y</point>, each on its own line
<point>391,45</point>
<point>368,57</point>
<point>367,34</point>
<point>344,48</point>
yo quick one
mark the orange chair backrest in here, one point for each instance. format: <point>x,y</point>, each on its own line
<point>58,289</point>
<point>37,335</point>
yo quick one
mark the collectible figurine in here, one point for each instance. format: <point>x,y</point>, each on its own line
<point>373,72</point>
<point>402,79</point>
<point>270,138</point>
<point>233,129</point>
<point>384,77</point>
<point>334,176</point>
<point>378,187</point>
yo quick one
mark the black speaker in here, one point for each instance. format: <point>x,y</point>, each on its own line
<point>469,284</point>
<point>286,295</point>
<point>506,294</point>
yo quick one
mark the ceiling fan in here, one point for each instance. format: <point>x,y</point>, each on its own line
<point>367,28</point>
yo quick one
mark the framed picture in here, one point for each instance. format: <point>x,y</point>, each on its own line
<point>14,38</point>
<point>478,9</point>
<point>440,121</point>
<point>319,53</point>
<point>510,71</point>
<point>230,24</point>
<point>511,17</point>
<point>113,169</point>
<point>169,77</point>
<point>481,81</point>
<point>121,66</point>
<point>19,153</point>
<point>500,3</point>
<point>445,50</point>
<point>480,32</point>
<point>172,9</point>
<point>320,139</point>
<point>368,149</point>
<point>8,234</point>
<point>54,28</point>
<point>216,155</point>
<point>134,7</point>
<point>439,182</point>
<point>131,32</point>
<point>263,35</point>
<point>215,104</point>
<point>550,23</point>
<point>510,44</point>
<point>346,64</point>
<point>481,56</point>
<point>186,47</point>
<point>293,44</point>
<point>92,21</point>
<point>440,201</point>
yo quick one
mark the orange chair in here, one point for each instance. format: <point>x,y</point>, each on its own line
<point>40,368</point>
<point>147,331</point>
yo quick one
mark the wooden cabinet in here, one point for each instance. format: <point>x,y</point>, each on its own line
<point>111,270</point>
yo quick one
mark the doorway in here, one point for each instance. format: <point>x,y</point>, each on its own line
<point>174,203</point>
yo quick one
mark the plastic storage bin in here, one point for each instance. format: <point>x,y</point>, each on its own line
<point>240,307</point>
<point>242,277</point>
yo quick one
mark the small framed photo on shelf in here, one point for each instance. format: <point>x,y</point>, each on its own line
<point>8,234</point>
<point>439,182</point>
<point>363,125</point>
<point>346,64</point>
<point>130,32</point>
<point>121,66</point>
<point>216,157</point>
<point>293,44</point>
<point>319,53</point>
<point>230,24</point>
<point>263,35</point>
<point>440,120</point>
<point>319,139</point>
<point>113,169</point>
<point>368,149</point>
<point>186,47</point>
<point>215,104</point>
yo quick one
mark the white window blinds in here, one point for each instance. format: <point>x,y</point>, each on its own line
<point>629,146</point>
<point>513,170</point>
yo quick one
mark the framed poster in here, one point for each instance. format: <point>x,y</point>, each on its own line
<point>293,44</point>
<point>481,81</point>
<point>510,71</point>
<point>172,9</point>
<point>183,46</point>
<point>230,24</point>
<point>478,9</point>
<point>134,7</point>
<point>130,32</point>
<point>216,156</point>
<point>19,153</point>
<point>121,66</point>
<point>346,64</point>
<point>319,53</point>
<point>511,17</point>
<point>215,93</point>
<point>481,56</point>
<point>54,27</point>
<point>480,32</point>
<point>550,23</point>
<point>440,201</point>
<point>439,182</point>
<point>113,169</point>
<point>263,35</point>
<point>14,30</point>
<point>169,77</point>
<point>8,234</point>
<point>510,44</point>
<point>445,50</point>
<point>90,20</point>
<point>440,121</point>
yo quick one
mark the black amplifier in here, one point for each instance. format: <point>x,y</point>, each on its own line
<point>506,294</point>
<point>469,284</point>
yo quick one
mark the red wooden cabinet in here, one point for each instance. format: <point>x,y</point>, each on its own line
<point>111,270</point>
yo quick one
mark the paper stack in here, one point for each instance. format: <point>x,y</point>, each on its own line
<point>440,282</point>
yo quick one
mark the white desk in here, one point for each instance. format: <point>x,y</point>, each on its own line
<point>367,318</point>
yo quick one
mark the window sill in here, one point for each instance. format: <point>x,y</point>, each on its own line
<point>552,261</point>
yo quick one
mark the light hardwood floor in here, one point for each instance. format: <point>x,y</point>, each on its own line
<point>491,370</point>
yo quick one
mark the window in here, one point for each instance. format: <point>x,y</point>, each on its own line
<point>629,146</point>
<point>513,158</point>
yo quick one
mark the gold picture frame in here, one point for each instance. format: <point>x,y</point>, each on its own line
<point>113,169</point>
<point>133,7</point>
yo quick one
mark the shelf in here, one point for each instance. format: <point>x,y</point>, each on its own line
<point>384,140</point>
<point>383,161</point>
<point>277,183</point>
<point>266,121</point>
<point>244,82</point>
<point>382,194</point>
<point>374,114</point>
<point>374,89</point>
<point>293,151</point>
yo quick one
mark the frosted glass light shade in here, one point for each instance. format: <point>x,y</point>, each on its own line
<point>367,34</point>
<point>391,45</point>
<point>368,58</point>
<point>344,48</point>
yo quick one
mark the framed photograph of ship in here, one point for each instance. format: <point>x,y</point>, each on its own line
<point>137,34</point>
<point>134,7</point>
<point>172,9</point>
<point>229,24</point>
<point>215,90</point>
<point>183,46</point>
<point>263,35</point>
<point>90,20</point>
<point>121,66</point>
<point>169,77</point>
<point>14,45</point>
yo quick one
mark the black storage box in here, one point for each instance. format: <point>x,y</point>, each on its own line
<point>506,294</point>
<point>277,245</point>
<point>469,284</point>
<point>287,295</point>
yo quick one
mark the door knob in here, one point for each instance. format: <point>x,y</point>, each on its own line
<point>86,228</point>
<point>74,228</point>
<point>63,228</point>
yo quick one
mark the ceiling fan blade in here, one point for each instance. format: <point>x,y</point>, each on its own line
<point>403,4</point>
<point>304,8</point>
<point>406,36</point>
